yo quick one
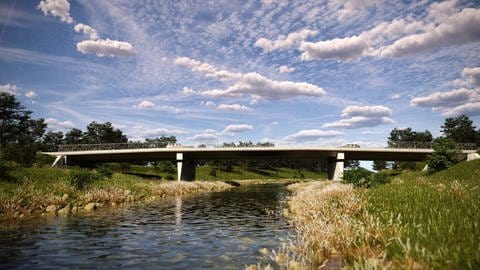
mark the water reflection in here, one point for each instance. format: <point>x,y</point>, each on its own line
<point>215,231</point>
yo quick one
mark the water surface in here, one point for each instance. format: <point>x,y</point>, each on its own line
<point>223,230</point>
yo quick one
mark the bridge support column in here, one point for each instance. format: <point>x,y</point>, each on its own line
<point>335,167</point>
<point>185,168</point>
<point>60,161</point>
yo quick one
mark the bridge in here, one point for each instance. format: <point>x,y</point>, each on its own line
<point>186,157</point>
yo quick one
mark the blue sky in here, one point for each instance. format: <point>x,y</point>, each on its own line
<point>291,72</point>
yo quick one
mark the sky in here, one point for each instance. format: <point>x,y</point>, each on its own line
<point>323,73</point>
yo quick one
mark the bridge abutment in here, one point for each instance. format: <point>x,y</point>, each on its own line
<point>185,168</point>
<point>335,167</point>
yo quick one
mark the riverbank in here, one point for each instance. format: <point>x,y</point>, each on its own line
<point>48,191</point>
<point>419,220</point>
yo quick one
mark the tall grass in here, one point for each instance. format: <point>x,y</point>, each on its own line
<point>438,214</point>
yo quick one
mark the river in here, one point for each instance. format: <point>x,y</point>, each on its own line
<point>223,230</point>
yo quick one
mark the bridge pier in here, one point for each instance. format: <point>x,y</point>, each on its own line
<point>60,161</point>
<point>185,168</point>
<point>335,167</point>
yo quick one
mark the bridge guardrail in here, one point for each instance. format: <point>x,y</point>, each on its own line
<point>150,145</point>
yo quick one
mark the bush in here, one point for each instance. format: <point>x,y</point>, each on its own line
<point>5,171</point>
<point>170,177</point>
<point>104,171</point>
<point>444,155</point>
<point>79,178</point>
<point>298,174</point>
<point>361,177</point>
<point>213,172</point>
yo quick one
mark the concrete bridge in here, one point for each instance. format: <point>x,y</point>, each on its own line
<point>187,156</point>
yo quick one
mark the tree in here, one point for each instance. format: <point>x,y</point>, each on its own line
<point>398,136</point>
<point>163,141</point>
<point>379,165</point>
<point>74,136</point>
<point>51,140</point>
<point>352,164</point>
<point>444,155</point>
<point>19,134</point>
<point>461,130</point>
<point>103,133</point>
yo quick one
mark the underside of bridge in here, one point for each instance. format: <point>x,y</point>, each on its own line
<point>187,159</point>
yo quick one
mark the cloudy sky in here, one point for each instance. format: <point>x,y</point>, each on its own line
<point>291,72</point>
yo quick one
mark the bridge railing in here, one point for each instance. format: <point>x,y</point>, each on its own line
<point>428,145</point>
<point>149,145</point>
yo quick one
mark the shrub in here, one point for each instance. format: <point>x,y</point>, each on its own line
<point>361,177</point>
<point>170,177</point>
<point>124,167</point>
<point>213,172</point>
<point>444,155</point>
<point>298,174</point>
<point>104,171</point>
<point>79,178</point>
<point>5,171</point>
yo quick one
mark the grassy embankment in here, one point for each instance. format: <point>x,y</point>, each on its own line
<point>417,221</point>
<point>49,191</point>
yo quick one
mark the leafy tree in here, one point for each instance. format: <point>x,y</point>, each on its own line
<point>163,141</point>
<point>352,164</point>
<point>51,140</point>
<point>19,134</point>
<point>399,136</point>
<point>103,133</point>
<point>444,155</point>
<point>379,165</point>
<point>461,130</point>
<point>265,144</point>
<point>74,136</point>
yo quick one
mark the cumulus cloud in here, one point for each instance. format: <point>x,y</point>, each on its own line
<point>234,129</point>
<point>205,137</point>
<point>253,84</point>
<point>9,89</point>
<point>457,101</point>
<point>234,107</point>
<point>284,42</point>
<point>188,91</point>
<point>106,47</point>
<point>145,104</point>
<point>359,122</point>
<point>362,116</point>
<point>208,103</point>
<point>58,125</point>
<point>349,8</point>
<point>367,111</point>
<point>56,8</point>
<point>86,29</point>
<point>459,28</point>
<point>285,69</point>
<point>312,135</point>
<point>31,95</point>
<point>156,132</point>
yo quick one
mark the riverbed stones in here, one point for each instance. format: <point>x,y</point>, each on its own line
<point>64,211</point>
<point>51,209</point>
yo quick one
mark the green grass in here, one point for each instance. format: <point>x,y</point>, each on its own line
<point>203,173</point>
<point>438,216</point>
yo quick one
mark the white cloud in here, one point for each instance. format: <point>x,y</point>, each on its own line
<point>362,116</point>
<point>439,11</point>
<point>188,91</point>
<point>312,134</point>
<point>395,96</point>
<point>233,129</point>
<point>86,29</point>
<point>472,76</point>
<point>59,125</point>
<point>339,48</point>
<point>253,84</point>
<point>106,47</point>
<point>284,42</point>
<point>31,95</point>
<point>367,111</point>
<point>208,103</point>
<point>459,28</point>
<point>285,69</point>
<point>444,99</point>
<point>9,88</point>
<point>359,122</point>
<point>56,8</point>
<point>204,137</point>
<point>170,109</point>
<point>351,7</point>
<point>156,132</point>
<point>234,107</point>
<point>145,104</point>
<point>458,101</point>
